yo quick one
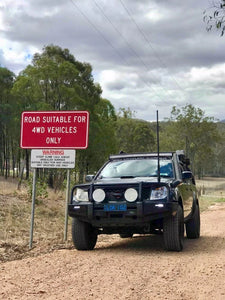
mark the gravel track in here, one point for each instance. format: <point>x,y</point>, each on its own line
<point>136,268</point>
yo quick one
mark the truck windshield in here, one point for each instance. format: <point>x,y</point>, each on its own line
<point>143,167</point>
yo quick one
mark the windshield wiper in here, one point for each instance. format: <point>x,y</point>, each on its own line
<point>128,176</point>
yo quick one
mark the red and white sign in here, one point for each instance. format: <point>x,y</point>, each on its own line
<point>54,129</point>
<point>52,158</point>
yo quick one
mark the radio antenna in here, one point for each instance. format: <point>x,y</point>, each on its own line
<point>157,126</point>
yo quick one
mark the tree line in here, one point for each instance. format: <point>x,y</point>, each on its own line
<point>55,80</point>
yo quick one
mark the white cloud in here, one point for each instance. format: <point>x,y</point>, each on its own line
<point>15,56</point>
<point>118,80</point>
<point>146,55</point>
<point>155,14</point>
<point>211,75</point>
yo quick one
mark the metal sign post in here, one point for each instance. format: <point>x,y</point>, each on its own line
<point>32,209</point>
<point>66,206</point>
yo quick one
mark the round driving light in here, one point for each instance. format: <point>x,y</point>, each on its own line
<point>131,195</point>
<point>98,195</point>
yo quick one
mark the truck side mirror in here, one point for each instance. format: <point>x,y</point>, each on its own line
<point>175,183</point>
<point>187,175</point>
<point>89,178</point>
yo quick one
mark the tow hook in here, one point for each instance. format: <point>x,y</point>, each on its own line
<point>174,213</point>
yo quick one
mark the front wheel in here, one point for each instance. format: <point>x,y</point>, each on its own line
<point>84,235</point>
<point>173,231</point>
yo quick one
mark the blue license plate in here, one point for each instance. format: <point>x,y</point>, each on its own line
<point>115,207</point>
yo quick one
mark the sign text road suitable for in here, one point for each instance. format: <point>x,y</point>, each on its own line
<point>54,129</point>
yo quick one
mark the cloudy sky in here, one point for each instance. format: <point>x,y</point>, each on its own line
<point>146,55</point>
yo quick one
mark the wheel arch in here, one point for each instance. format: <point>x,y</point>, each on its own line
<point>195,203</point>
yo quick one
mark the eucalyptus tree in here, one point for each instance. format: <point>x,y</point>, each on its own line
<point>191,130</point>
<point>106,142</point>
<point>57,81</point>
<point>102,138</point>
<point>216,166</point>
<point>6,119</point>
<point>214,16</point>
<point>133,135</point>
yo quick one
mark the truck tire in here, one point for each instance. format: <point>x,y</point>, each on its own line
<point>173,231</point>
<point>84,235</point>
<point>193,225</point>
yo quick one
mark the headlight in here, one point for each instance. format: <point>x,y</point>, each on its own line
<point>80,195</point>
<point>131,195</point>
<point>98,195</point>
<point>159,193</point>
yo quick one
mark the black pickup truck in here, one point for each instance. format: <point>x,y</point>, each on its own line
<point>144,193</point>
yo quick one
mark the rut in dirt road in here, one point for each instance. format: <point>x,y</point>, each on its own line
<point>136,268</point>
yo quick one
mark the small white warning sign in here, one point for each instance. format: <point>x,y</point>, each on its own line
<point>52,158</point>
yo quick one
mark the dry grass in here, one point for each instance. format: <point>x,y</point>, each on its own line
<point>211,191</point>
<point>15,216</point>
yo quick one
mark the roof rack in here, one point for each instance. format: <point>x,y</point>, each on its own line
<point>133,155</point>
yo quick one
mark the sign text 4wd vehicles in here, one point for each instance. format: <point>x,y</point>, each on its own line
<point>146,193</point>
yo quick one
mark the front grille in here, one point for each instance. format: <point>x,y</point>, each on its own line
<point>145,194</point>
<point>115,194</point>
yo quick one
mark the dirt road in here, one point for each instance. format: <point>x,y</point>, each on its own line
<point>136,268</point>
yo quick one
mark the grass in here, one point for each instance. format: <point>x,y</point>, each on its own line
<point>15,218</point>
<point>209,200</point>
<point>212,191</point>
